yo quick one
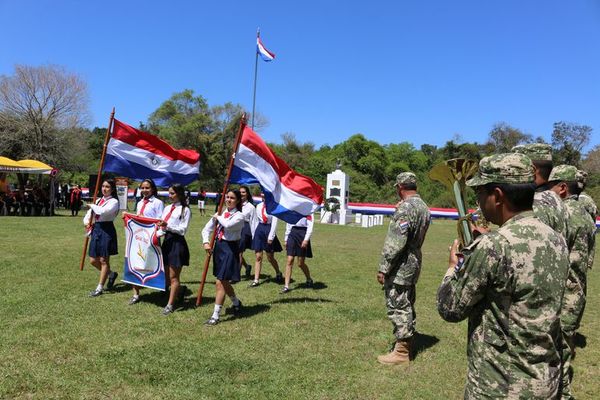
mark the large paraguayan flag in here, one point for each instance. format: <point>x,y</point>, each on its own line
<point>265,54</point>
<point>140,155</point>
<point>143,256</point>
<point>288,195</point>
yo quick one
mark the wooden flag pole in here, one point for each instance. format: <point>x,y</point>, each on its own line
<point>236,145</point>
<point>98,181</point>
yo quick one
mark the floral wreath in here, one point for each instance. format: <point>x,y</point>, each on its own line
<point>332,204</point>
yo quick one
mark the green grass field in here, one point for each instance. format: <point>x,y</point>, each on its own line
<point>320,343</point>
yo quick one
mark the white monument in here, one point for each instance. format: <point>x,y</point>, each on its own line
<point>337,187</point>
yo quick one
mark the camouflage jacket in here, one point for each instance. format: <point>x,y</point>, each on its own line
<point>581,243</point>
<point>510,287</point>
<point>401,255</point>
<point>589,205</point>
<point>550,209</point>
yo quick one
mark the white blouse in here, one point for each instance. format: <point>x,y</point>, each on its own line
<point>306,222</point>
<point>177,223</point>
<point>232,226</point>
<point>260,219</point>
<point>248,211</point>
<point>154,208</point>
<point>108,211</point>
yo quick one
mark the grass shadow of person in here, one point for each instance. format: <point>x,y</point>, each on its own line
<point>314,286</point>
<point>580,340</point>
<point>422,342</point>
<point>291,300</point>
<point>246,311</point>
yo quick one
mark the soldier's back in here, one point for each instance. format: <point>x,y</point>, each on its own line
<point>550,209</point>
<point>512,342</point>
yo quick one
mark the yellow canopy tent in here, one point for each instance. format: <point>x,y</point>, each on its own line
<point>24,166</point>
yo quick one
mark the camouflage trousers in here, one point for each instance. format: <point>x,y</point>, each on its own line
<point>400,302</point>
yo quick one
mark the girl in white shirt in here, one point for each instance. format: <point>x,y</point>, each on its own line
<point>151,207</point>
<point>103,236</point>
<point>246,236</point>
<point>297,243</point>
<point>226,257</point>
<point>264,238</point>
<point>176,254</point>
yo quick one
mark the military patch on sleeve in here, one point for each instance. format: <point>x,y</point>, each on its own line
<point>403,225</point>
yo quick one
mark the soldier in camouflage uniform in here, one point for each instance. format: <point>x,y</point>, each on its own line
<point>400,265</point>
<point>584,198</point>
<point>509,283</point>
<point>547,206</point>
<point>580,242</point>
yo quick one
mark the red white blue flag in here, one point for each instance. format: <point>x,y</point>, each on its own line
<point>141,155</point>
<point>289,196</point>
<point>265,54</point>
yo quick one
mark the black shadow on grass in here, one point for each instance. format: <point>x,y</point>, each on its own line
<point>315,286</point>
<point>580,340</point>
<point>120,288</point>
<point>291,300</point>
<point>422,342</point>
<point>248,311</point>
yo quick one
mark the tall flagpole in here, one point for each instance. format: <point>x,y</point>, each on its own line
<point>236,145</point>
<point>255,76</point>
<point>98,180</point>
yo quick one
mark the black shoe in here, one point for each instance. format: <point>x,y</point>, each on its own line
<point>248,272</point>
<point>96,292</point>
<point>279,278</point>
<point>112,277</point>
<point>309,283</point>
<point>235,310</point>
<point>285,290</point>
<point>211,321</point>
<point>181,294</point>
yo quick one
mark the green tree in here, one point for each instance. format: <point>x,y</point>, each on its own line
<point>503,137</point>
<point>568,140</point>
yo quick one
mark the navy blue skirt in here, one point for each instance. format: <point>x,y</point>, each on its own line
<point>246,239</point>
<point>261,238</point>
<point>226,261</point>
<point>103,241</point>
<point>175,251</point>
<point>294,243</point>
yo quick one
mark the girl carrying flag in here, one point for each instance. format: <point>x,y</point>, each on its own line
<point>151,207</point>
<point>226,257</point>
<point>176,254</point>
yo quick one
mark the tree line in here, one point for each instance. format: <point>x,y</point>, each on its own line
<point>44,111</point>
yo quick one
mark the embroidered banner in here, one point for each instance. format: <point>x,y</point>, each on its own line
<point>143,256</point>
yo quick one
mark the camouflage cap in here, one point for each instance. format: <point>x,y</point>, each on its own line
<point>563,173</point>
<point>504,168</point>
<point>582,177</point>
<point>535,151</point>
<point>406,178</point>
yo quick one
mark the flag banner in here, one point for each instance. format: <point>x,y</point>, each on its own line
<point>143,256</point>
<point>265,54</point>
<point>141,155</point>
<point>289,195</point>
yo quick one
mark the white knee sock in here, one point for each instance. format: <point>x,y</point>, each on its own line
<point>217,311</point>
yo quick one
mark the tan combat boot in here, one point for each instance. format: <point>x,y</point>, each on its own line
<point>400,354</point>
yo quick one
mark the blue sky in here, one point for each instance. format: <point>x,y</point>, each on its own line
<point>417,71</point>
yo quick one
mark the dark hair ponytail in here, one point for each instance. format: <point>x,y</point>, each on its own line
<point>113,187</point>
<point>180,192</point>
<point>153,188</point>
<point>238,197</point>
